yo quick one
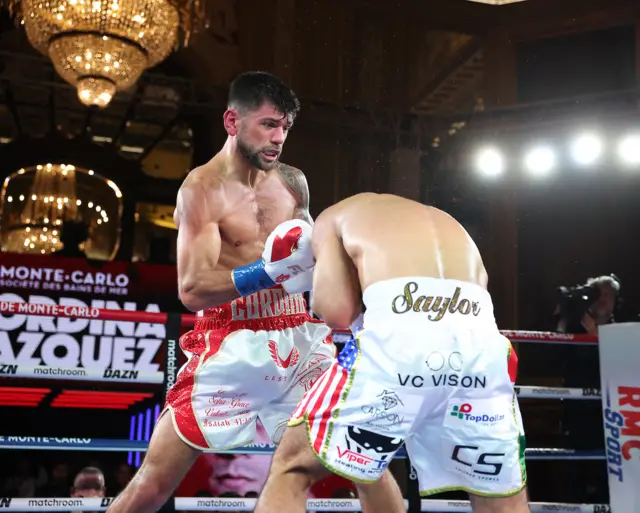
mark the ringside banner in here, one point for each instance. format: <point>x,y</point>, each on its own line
<point>619,363</point>
<point>248,504</point>
<point>51,347</point>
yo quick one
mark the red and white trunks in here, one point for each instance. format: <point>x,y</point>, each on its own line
<point>253,357</point>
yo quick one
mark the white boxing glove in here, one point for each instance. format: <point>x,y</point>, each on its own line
<point>287,260</point>
<point>288,256</point>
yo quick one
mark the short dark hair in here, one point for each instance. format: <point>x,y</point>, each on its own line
<point>250,90</point>
<point>88,473</point>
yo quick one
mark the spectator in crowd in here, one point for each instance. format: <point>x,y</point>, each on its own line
<point>25,482</point>
<point>89,483</point>
<point>58,485</point>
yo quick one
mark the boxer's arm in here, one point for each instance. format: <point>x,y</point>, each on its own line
<point>297,184</point>
<point>198,212</point>
<point>336,297</point>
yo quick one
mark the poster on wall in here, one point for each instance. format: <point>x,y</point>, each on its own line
<point>52,347</point>
<point>244,475</point>
<point>619,347</point>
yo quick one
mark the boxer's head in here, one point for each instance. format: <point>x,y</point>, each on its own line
<point>260,111</point>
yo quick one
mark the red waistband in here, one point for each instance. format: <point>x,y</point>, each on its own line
<point>271,324</point>
<point>270,309</point>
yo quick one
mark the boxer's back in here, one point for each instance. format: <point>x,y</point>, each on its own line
<point>391,237</point>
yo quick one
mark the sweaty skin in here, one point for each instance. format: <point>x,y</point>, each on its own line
<point>223,224</point>
<point>224,212</point>
<point>362,240</point>
<point>373,237</point>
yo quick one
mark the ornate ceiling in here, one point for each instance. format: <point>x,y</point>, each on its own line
<point>425,57</point>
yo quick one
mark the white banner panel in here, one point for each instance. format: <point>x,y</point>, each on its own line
<point>619,346</point>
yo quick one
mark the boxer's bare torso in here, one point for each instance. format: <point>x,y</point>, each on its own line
<point>234,220</point>
<point>388,237</point>
<point>369,238</point>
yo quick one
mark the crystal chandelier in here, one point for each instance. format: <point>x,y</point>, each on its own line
<point>103,46</point>
<point>497,2</point>
<point>38,202</point>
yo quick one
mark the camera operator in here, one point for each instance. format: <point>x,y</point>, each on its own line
<point>581,309</point>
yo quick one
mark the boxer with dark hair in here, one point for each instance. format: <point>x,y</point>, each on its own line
<point>253,336</point>
<point>244,260</point>
<point>428,367</point>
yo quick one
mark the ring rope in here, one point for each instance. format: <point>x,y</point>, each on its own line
<point>242,504</point>
<point>187,320</point>
<point>228,504</point>
<point>89,312</point>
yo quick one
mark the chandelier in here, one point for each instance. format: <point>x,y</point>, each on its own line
<point>39,203</point>
<point>103,46</point>
<point>497,2</point>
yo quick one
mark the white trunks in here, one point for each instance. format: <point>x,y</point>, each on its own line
<point>429,369</point>
<point>253,357</point>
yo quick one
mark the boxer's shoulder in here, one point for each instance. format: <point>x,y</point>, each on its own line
<point>202,194</point>
<point>295,180</point>
<point>297,184</point>
<point>209,175</point>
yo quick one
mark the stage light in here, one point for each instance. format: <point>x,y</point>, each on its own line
<point>629,149</point>
<point>132,430</point>
<point>139,437</point>
<point>540,161</point>
<point>586,149</point>
<point>490,162</point>
<point>136,426</point>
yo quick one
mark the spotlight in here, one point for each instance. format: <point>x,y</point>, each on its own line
<point>490,162</point>
<point>629,149</point>
<point>540,161</point>
<point>586,149</point>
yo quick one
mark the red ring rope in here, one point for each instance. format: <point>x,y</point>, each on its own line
<point>88,312</point>
<point>187,320</point>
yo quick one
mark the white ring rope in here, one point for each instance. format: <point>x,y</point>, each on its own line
<point>241,504</point>
<point>529,392</point>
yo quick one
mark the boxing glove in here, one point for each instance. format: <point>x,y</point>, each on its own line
<point>287,260</point>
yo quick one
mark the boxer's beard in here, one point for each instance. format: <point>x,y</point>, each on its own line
<point>253,155</point>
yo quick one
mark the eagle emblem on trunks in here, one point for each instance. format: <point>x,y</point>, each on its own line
<point>311,372</point>
<point>290,361</point>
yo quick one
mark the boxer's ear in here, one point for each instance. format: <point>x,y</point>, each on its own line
<point>230,120</point>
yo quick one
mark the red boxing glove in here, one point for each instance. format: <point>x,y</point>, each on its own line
<point>288,256</point>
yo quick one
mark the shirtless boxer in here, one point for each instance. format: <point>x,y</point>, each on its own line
<point>428,368</point>
<point>254,349</point>
<point>249,356</point>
